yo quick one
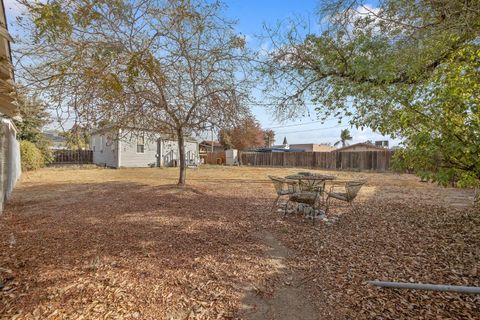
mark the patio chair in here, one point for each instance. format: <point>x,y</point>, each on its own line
<point>283,187</point>
<point>351,189</point>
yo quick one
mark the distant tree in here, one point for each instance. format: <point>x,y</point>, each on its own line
<point>76,138</point>
<point>269,137</point>
<point>33,118</point>
<point>246,135</point>
<point>344,137</point>
<point>173,66</point>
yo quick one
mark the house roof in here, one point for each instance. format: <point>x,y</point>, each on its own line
<point>7,89</point>
<point>361,144</point>
<point>209,143</point>
<point>132,130</point>
<point>277,149</point>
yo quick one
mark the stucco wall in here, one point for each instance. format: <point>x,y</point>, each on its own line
<point>311,147</point>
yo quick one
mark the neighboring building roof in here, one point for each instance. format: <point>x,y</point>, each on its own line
<point>277,149</point>
<point>210,142</point>
<point>362,144</point>
<point>314,147</point>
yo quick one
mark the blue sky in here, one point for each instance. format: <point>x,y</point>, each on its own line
<point>251,16</point>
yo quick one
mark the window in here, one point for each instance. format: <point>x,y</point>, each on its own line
<point>141,144</point>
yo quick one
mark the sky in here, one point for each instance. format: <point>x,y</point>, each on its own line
<point>252,15</point>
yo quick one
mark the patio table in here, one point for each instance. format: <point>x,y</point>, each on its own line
<point>308,182</point>
<point>312,188</point>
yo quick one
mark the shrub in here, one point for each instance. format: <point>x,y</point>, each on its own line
<point>44,146</point>
<point>31,156</point>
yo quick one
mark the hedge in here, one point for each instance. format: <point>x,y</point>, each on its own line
<point>31,156</point>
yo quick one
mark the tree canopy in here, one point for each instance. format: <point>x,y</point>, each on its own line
<point>344,137</point>
<point>407,68</point>
<point>76,138</point>
<point>33,119</point>
<point>248,134</point>
<point>171,66</point>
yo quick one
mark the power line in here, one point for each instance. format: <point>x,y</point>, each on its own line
<point>301,124</point>
<point>310,130</point>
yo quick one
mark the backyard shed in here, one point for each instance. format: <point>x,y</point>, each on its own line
<point>139,148</point>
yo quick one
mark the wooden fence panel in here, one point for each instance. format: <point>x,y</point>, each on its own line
<point>357,160</point>
<point>72,157</point>
<point>214,157</point>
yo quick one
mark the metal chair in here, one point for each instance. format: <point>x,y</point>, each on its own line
<point>283,187</point>
<point>351,189</point>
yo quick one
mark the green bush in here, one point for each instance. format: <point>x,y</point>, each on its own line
<point>44,146</point>
<point>31,156</point>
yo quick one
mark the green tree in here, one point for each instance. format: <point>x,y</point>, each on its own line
<point>33,118</point>
<point>407,68</point>
<point>443,134</point>
<point>344,137</point>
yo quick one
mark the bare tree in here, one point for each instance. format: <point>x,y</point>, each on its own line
<point>172,66</point>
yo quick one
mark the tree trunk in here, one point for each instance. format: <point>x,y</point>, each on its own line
<point>476,197</point>
<point>181,153</point>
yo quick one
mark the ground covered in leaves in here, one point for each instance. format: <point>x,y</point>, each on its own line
<point>127,244</point>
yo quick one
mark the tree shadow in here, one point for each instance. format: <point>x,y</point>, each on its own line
<point>151,236</point>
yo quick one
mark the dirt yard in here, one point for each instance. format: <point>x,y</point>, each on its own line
<point>128,244</point>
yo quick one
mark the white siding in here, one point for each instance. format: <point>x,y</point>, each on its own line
<point>10,167</point>
<point>169,151</point>
<point>105,151</point>
<point>129,157</point>
<point>124,152</point>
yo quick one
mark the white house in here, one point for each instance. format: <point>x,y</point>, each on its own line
<point>10,168</point>
<point>137,148</point>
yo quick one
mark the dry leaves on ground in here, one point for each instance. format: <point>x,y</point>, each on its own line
<point>127,244</point>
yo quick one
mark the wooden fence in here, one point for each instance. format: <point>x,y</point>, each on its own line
<point>72,157</point>
<point>358,160</point>
<point>213,157</point>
